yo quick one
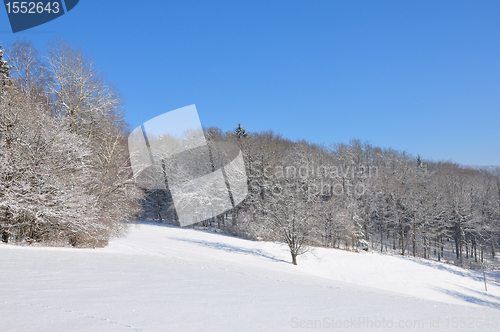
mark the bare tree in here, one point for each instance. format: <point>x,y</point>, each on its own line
<point>291,203</point>
<point>29,72</point>
<point>93,109</point>
<point>65,173</point>
<point>43,175</point>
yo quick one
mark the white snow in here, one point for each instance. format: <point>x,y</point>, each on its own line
<point>162,278</point>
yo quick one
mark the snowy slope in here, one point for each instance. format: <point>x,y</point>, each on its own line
<point>163,278</point>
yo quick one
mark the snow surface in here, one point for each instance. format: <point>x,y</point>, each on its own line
<point>162,278</point>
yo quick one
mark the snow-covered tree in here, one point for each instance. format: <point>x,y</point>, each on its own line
<point>30,74</point>
<point>91,105</point>
<point>44,172</point>
<point>64,176</point>
<point>4,70</point>
<point>240,131</point>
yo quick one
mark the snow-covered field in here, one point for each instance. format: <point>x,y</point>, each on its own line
<point>162,278</point>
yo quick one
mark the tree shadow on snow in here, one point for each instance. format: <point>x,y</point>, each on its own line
<point>476,275</point>
<point>492,301</point>
<point>230,248</point>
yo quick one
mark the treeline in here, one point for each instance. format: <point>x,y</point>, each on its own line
<point>356,196</point>
<point>64,170</point>
<point>65,177</point>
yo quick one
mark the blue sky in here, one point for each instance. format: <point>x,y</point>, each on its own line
<point>420,76</point>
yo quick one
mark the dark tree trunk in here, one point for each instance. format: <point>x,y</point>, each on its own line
<point>474,245</point>
<point>442,246</point>
<point>381,239</point>
<point>492,245</point>
<point>438,249</point>
<point>467,246</point>
<point>458,241</point>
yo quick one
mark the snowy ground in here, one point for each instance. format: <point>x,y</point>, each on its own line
<point>163,278</point>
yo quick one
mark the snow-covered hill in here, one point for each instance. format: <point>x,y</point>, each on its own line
<point>162,278</point>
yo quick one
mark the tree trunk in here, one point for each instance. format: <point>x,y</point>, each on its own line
<point>458,245</point>
<point>492,245</point>
<point>5,237</point>
<point>381,239</point>
<point>294,258</point>
<point>442,247</point>
<point>414,242</point>
<point>467,246</point>
<point>438,249</point>
<point>234,216</point>
<point>474,244</point>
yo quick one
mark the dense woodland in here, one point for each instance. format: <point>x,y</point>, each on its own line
<point>355,196</point>
<point>65,177</point>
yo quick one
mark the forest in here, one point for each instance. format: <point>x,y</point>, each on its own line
<point>355,196</point>
<point>66,178</point>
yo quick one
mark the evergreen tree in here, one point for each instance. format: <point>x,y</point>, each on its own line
<point>4,68</point>
<point>240,131</point>
<point>420,165</point>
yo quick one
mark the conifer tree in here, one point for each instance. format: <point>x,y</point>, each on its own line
<point>240,131</point>
<point>4,69</point>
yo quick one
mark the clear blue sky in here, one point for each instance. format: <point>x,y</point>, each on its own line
<point>420,76</point>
